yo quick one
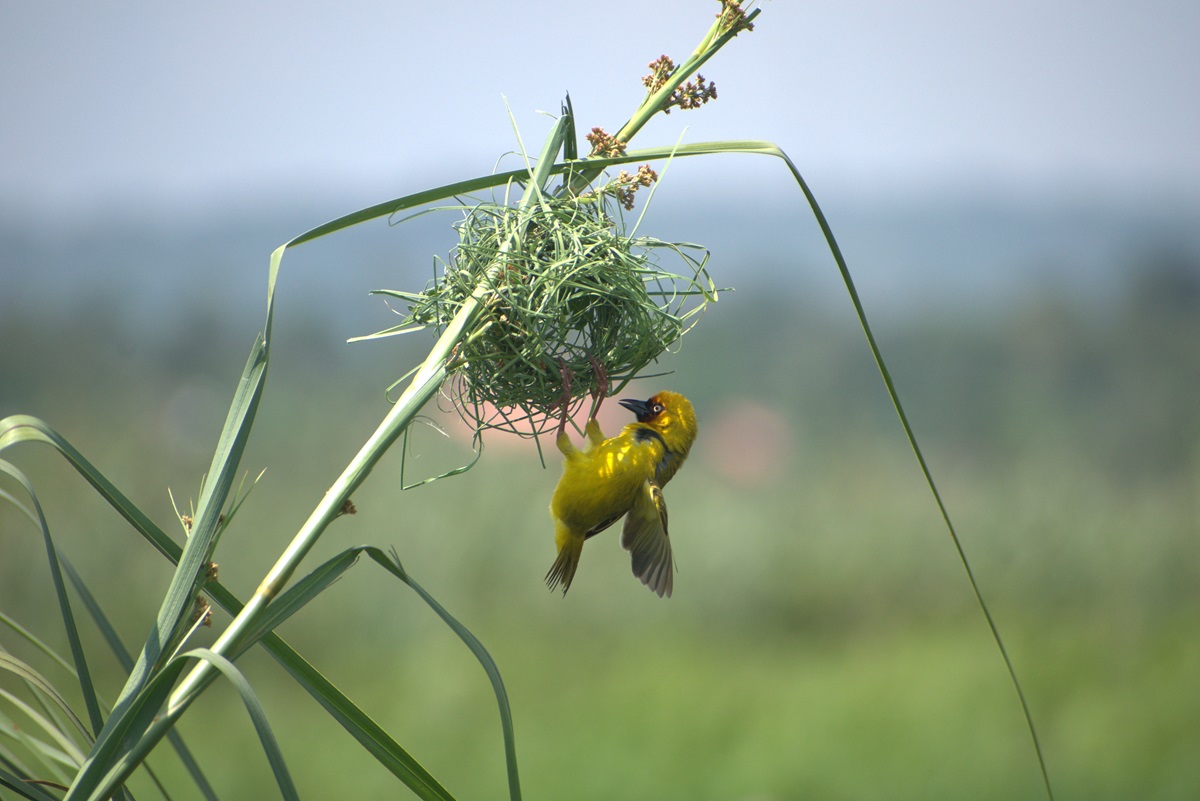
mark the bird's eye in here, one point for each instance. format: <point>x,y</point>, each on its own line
<point>658,407</point>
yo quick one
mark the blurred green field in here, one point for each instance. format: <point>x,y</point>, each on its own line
<point>822,642</point>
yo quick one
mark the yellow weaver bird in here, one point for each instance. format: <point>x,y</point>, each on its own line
<point>622,476</point>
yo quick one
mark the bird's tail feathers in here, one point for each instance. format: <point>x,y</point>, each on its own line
<point>563,569</point>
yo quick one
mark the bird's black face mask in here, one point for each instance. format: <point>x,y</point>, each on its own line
<point>645,411</point>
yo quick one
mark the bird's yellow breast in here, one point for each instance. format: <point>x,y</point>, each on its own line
<point>601,482</point>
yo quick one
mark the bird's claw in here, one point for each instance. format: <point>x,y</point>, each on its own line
<point>565,401</point>
<point>598,394</point>
<point>601,391</point>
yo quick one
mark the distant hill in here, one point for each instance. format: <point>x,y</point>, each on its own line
<point>980,253</point>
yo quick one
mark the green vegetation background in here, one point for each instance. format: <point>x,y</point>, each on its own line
<point>823,641</point>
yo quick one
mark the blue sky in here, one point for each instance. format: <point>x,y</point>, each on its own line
<point>149,102</point>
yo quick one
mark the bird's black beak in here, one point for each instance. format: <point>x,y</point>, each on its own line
<point>640,408</point>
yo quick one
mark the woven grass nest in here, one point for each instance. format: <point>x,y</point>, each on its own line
<point>563,286</point>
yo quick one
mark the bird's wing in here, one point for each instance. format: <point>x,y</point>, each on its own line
<point>645,537</point>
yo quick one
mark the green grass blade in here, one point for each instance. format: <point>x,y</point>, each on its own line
<point>570,137</point>
<point>296,597</point>
<point>369,734</point>
<point>353,719</point>
<point>125,746</point>
<point>33,640</point>
<point>476,446</point>
<point>480,183</point>
<point>827,231</point>
<point>40,684</point>
<point>467,187</point>
<point>389,753</point>
<point>393,566</point>
<point>399,204</point>
<point>184,585</point>
<point>541,173</point>
<point>318,580</point>
<point>24,788</point>
<point>64,750</point>
<point>221,474</point>
<point>258,716</point>
<point>306,589</point>
<point>125,659</point>
<point>83,675</point>
<point>22,428</point>
<point>27,429</point>
<point>16,765</point>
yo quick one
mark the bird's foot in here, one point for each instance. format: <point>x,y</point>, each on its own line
<point>564,402</point>
<point>601,391</point>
